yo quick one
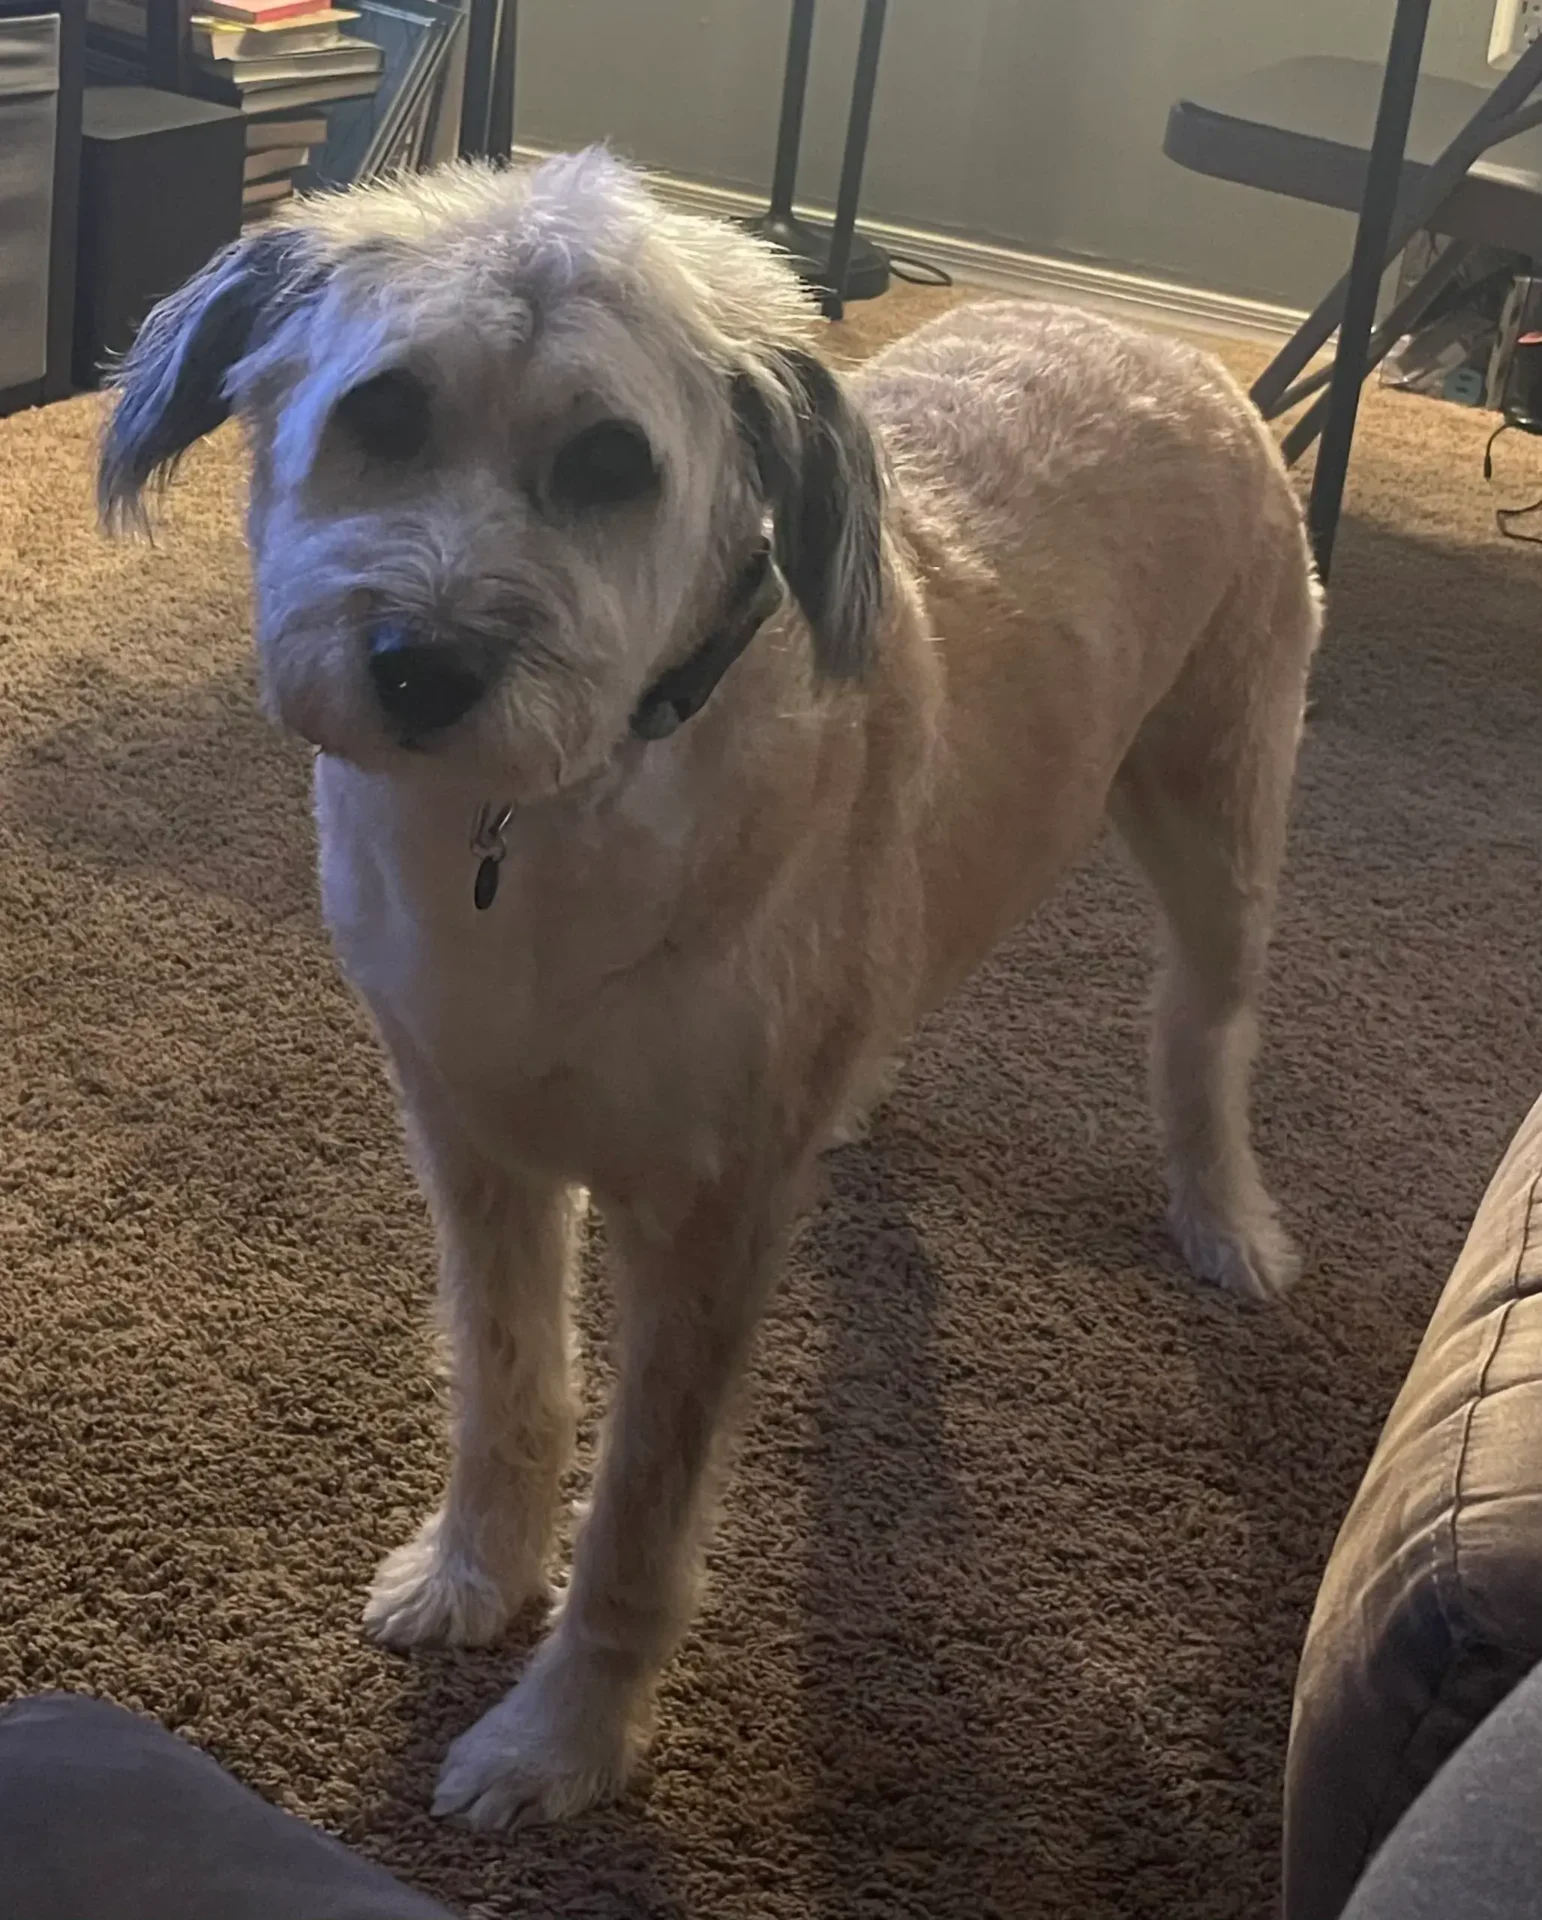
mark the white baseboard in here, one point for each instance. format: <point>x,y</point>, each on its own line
<point>1082,283</point>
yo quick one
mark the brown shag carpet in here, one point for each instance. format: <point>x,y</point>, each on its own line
<point>1025,1532</point>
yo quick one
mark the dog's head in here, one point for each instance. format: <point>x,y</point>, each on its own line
<point>513,439</point>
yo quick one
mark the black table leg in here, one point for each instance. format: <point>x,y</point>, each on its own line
<point>789,132</point>
<point>1383,177</point>
<point>500,113</point>
<point>837,261</point>
<point>483,18</point>
<point>166,58</point>
<point>863,88</point>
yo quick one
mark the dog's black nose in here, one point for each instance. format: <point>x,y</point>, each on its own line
<point>424,685</point>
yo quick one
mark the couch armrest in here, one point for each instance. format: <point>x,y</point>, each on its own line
<point>1431,1607</point>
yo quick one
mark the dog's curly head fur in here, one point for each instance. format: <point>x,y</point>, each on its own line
<point>527,424</point>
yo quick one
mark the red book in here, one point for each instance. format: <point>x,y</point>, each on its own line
<point>261,12</point>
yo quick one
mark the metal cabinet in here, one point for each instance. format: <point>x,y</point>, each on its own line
<point>29,125</point>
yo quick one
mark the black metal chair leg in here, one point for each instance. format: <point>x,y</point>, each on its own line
<point>1404,316</point>
<point>1379,203</point>
<point>863,87</point>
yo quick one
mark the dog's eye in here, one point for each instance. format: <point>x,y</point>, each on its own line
<point>386,417</point>
<point>604,466</point>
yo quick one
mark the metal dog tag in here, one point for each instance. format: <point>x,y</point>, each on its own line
<point>485,891</point>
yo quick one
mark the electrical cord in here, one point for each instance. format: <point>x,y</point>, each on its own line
<point>918,273</point>
<point>1504,517</point>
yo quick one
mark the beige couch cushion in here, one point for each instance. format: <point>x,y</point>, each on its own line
<point>1431,1607</point>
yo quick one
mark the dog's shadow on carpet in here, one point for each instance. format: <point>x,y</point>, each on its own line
<point>902,1622</point>
<point>909,1621</point>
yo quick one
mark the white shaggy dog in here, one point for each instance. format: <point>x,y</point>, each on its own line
<point>690,721</point>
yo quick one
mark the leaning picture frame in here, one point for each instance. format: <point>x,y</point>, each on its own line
<point>392,129</point>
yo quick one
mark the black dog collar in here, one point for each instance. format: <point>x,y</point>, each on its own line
<point>674,698</point>
<point>682,692</point>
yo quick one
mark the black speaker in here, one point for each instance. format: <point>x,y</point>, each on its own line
<point>160,194</point>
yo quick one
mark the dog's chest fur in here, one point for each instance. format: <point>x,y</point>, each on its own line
<point>561,1021</point>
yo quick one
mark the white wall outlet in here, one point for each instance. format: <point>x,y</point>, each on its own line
<point>1516,24</point>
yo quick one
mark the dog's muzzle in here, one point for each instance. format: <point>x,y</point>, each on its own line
<point>424,684</point>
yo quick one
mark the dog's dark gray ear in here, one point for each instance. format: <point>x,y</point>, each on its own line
<point>171,386</point>
<point>817,470</point>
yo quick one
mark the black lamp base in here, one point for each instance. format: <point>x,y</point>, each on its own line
<point>807,246</point>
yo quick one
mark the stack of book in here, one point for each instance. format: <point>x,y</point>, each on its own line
<point>331,93</point>
<point>279,61</point>
<point>276,150</point>
<point>282,62</point>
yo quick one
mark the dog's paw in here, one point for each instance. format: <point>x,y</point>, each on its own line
<point>870,1088</point>
<point>850,1130</point>
<point>427,1593</point>
<point>1254,1259</point>
<point>562,1741</point>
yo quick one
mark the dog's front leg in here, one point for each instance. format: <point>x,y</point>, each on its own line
<point>688,1306</point>
<point>506,1246</point>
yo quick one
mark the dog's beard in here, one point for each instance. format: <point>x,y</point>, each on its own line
<point>550,722</point>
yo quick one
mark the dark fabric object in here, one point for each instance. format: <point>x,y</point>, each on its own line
<point>1431,1608</point>
<point>1471,1845</point>
<point>106,1816</point>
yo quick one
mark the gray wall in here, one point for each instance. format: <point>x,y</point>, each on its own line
<point>1035,123</point>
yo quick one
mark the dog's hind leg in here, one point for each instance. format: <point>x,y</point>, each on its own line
<point>506,1249</point>
<point>1202,801</point>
